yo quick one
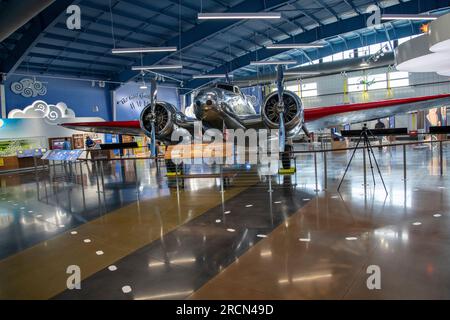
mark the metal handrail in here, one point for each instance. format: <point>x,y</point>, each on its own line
<point>353,148</point>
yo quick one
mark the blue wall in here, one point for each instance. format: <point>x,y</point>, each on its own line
<point>257,95</point>
<point>130,100</point>
<point>80,96</point>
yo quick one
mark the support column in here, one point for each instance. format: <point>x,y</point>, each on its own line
<point>3,101</point>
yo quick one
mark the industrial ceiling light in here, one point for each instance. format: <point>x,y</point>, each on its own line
<point>143,50</point>
<point>294,46</point>
<point>364,64</point>
<point>207,76</point>
<point>300,73</point>
<point>143,86</point>
<point>419,17</point>
<point>272,62</point>
<point>235,15</point>
<point>156,67</point>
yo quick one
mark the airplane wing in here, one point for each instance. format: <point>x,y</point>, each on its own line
<point>332,116</point>
<point>315,118</point>
<point>131,128</point>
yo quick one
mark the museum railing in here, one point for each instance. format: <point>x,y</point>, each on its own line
<point>319,157</point>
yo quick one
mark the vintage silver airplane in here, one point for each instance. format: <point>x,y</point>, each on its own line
<point>224,106</point>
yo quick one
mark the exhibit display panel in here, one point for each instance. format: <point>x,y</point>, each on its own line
<point>20,138</point>
<point>62,155</point>
<point>10,147</point>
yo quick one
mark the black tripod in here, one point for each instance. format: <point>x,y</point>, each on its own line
<point>364,136</point>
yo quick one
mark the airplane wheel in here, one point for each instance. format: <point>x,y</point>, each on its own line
<point>286,157</point>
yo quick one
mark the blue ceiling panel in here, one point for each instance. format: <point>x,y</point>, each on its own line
<point>45,45</point>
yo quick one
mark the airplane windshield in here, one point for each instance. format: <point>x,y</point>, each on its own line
<point>225,87</point>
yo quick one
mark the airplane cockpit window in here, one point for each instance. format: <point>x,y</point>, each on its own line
<point>223,86</point>
<point>236,90</point>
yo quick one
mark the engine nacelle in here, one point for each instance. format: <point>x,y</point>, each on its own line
<point>293,113</point>
<point>164,120</point>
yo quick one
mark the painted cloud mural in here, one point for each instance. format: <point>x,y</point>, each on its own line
<point>29,88</point>
<point>40,109</point>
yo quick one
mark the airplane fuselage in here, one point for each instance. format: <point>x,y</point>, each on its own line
<point>217,107</point>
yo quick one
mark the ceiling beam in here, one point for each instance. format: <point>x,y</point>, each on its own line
<point>148,21</point>
<point>328,8</point>
<point>203,31</point>
<point>75,70</point>
<point>70,59</point>
<point>325,31</point>
<point>15,14</point>
<point>147,6</point>
<point>119,59</point>
<point>39,24</point>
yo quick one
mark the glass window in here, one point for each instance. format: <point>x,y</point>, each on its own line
<point>338,56</point>
<point>377,81</point>
<point>399,75</point>
<point>349,54</point>
<point>399,83</point>
<point>399,79</point>
<point>355,84</point>
<point>387,45</point>
<point>309,90</point>
<point>363,51</point>
<point>374,48</point>
<point>294,88</point>
<point>327,59</point>
<point>371,82</point>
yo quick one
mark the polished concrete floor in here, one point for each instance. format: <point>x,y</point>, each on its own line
<point>149,238</point>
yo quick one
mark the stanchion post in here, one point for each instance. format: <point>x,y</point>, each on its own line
<point>102,175</point>
<point>136,176</point>
<point>270,183</point>
<point>365,165</point>
<point>35,167</point>
<point>315,172</point>
<point>295,171</point>
<point>96,176</point>
<point>404,162</point>
<point>441,157</point>
<point>176,178</point>
<point>221,183</point>
<point>325,171</point>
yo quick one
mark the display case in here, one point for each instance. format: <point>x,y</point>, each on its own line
<point>58,143</point>
<point>19,153</point>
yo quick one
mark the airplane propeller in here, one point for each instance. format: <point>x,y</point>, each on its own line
<point>153,96</point>
<point>280,108</point>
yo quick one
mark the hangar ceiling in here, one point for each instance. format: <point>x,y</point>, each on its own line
<point>45,46</point>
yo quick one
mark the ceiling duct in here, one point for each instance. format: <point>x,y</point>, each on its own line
<point>319,69</point>
<point>14,14</point>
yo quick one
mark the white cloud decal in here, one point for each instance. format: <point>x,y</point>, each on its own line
<point>29,88</point>
<point>40,109</point>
